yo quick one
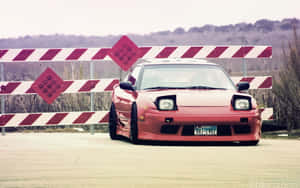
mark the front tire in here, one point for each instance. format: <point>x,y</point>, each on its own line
<point>134,125</point>
<point>113,122</point>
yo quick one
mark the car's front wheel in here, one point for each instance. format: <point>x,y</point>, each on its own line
<point>134,125</point>
<point>113,122</point>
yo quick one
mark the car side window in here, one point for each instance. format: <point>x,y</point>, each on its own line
<point>132,77</point>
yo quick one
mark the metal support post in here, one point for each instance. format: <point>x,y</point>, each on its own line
<point>244,61</point>
<point>92,94</point>
<point>2,97</point>
<point>3,131</point>
<point>244,68</point>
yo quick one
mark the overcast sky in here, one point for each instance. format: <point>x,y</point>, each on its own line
<point>104,17</point>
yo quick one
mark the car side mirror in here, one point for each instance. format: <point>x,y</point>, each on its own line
<point>126,86</point>
<point>242,86</point>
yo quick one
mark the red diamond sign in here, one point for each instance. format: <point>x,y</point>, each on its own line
<point>124,53</point>
<point>48,85</point>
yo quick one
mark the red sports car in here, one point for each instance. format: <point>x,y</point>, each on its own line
<point>183,100</point>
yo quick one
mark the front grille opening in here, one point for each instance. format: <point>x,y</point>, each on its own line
<point>169,129</point>
<point>242,129</point>
<point>222,130</point>
<point>188,130</point>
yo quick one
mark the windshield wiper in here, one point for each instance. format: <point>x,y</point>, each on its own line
<point>204,87</point>
<point>190,87</point>
<point>161,87</point>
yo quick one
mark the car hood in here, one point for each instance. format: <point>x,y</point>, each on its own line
<point>195,97</point>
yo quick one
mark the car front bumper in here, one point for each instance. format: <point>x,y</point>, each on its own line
<point>179,125</point>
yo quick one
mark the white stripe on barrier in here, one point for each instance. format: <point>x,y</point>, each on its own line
<point>255,52</point>
<point>153,52</point>
<point>204,52</point>
<point>267,114</point>
<point>230,51</point>
<point>179,51</point>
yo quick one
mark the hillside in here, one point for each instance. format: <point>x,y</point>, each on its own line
<point>261,32</point>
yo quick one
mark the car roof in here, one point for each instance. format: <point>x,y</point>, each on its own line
<point>168,61</point>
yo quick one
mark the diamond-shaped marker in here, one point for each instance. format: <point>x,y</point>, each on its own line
<point>124,53</point>
<point>48,85</point>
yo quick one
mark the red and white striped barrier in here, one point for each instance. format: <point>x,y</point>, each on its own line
<point>71,86</point>
<point>84,86</point>
<point>71,118</point>
<point>94,54</point>
<point>256,82</point>
<point>206,52</point>
<point>54,118</point>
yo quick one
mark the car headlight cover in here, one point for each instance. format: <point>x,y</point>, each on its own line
<point>241,104</point>
<point>166,104</point>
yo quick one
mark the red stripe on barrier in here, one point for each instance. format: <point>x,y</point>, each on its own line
<point>105,119</point>
<point>110,87</point>
<point>83,117</point>
<point>191,52</point>
<point>143,51</point>
<point>247,79</point>
<point>50,54</point>
<point>30,90</point>
<point>5,118</point>
<point>101,54</point>
<point>166,52</point>
<point>23,55</point>
<point>76,54</point>
<point>2,53</point>
<point>66,85</point>
<point>271,117</point>
<point>217,51</point>
<point>56,119</point>
<point>266,53</point>
<point>30,119</point>
<point>9,88</point>
<point>267,83</point>
<point>243,51</point>
<point>89,85</point>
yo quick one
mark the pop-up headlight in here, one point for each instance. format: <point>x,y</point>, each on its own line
<point>240,102</point>
<point>166,102</point>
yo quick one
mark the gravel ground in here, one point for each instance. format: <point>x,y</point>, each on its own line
<point>71,160</point>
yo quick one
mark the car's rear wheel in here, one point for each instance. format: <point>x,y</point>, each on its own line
<point>113,122</point>
<point>134,125</point>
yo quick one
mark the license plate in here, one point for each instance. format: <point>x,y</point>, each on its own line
<point>205,130</point>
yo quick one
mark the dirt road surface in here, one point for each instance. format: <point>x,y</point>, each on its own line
<point>73,160</point>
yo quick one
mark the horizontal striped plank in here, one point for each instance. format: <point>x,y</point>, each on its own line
<point>53,118</point>
<point>102,85</point>
<point>96,54</point>
<point>70,86</point>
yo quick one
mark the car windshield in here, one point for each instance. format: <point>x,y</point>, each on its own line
<point>184,77</point>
